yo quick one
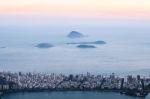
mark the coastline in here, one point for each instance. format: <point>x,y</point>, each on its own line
<point>19,82</point>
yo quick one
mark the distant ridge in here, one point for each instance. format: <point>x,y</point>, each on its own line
<point>75,34</point>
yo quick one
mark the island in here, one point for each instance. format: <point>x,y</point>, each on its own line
<point>44,45</point>
<point>99,42</point>
<point>2,47</point>
<point>75,34</point>
<point>86,46</point>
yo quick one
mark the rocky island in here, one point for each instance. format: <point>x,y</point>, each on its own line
<point>75,34</point>
<point>2,47</point>
<point>44,45</point>
<point>95,42</point>
<point>99,42</point>
<point>86,46</point>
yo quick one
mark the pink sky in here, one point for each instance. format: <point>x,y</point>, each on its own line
<point>71,9</point>
<point>83,8</point>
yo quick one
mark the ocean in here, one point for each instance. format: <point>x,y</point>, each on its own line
<point>126,50</point>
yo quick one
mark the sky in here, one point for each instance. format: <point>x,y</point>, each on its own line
<point>44,11</point>
<point>28,21</point>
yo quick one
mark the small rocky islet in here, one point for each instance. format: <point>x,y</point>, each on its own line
<point>86,46</point>
<point>44,45</point>
<point>2,47</point>
<point>95,42</point>
<point>75,34</point>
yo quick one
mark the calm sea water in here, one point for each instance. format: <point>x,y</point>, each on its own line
<point>126,50</point>
<point>70,95</point>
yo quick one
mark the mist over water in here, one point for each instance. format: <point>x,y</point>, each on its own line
<point>127,49</point>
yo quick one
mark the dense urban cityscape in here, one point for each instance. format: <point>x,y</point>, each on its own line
<point>20,82</point>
